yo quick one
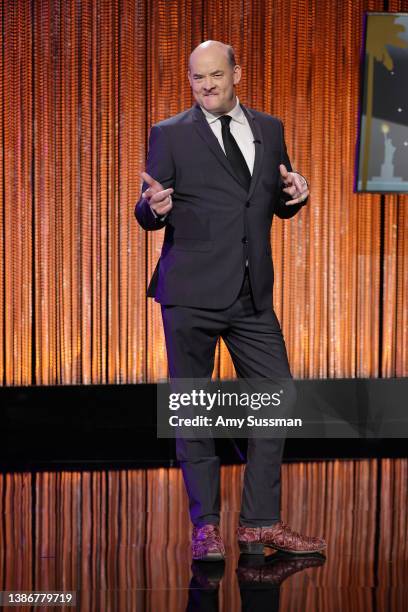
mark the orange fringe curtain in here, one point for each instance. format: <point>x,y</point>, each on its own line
<point>82,82</point>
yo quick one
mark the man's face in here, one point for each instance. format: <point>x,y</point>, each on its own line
<point>212,80</point>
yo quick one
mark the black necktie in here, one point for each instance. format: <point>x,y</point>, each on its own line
<point>234,153</point>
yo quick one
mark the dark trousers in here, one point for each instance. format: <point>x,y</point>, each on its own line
<point>255,342</point>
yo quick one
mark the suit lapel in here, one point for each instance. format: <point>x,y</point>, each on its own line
<point>259,148</point>
<point>206,133</point>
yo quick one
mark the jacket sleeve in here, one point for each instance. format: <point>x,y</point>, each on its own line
<point>160,166</point>
<point>283,210</point>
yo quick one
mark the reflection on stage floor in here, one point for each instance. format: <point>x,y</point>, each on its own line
<point>121,540</point>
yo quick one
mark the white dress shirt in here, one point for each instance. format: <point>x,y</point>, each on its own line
<point>239,128</point>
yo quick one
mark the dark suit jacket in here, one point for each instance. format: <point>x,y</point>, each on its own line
<point>215,224</point>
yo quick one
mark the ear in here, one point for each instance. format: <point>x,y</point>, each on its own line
<point>189,77</point>
<point>237,73</point>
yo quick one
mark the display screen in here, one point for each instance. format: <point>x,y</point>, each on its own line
<point>382,151</point>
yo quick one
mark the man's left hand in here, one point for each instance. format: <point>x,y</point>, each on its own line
<point>295,186</point>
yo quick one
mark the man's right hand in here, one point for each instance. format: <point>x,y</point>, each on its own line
<point>159,199</point>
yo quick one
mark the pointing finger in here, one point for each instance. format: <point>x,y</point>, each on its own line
<point>283,171</point>
<point>149,179</point>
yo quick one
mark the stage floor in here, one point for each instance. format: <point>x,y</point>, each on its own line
<point>121,540</point>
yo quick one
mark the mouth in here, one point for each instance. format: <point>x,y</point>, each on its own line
<point>210,95</point>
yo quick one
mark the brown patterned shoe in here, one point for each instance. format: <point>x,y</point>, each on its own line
<point>207,544</point>
<point>280,536</point>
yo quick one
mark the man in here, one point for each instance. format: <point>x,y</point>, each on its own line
<point>216,175</point>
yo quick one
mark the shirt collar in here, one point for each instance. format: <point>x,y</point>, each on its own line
<point>236,113</point>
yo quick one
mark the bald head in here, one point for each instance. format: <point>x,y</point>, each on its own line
<point>217,47</point>
<point>213,75</point>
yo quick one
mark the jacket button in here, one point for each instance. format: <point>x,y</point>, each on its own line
<point>244,240</point>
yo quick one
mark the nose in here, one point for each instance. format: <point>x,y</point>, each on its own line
<point>208,84</point>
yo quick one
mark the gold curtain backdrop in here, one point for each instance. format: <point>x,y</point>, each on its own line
<point>82,82</point>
